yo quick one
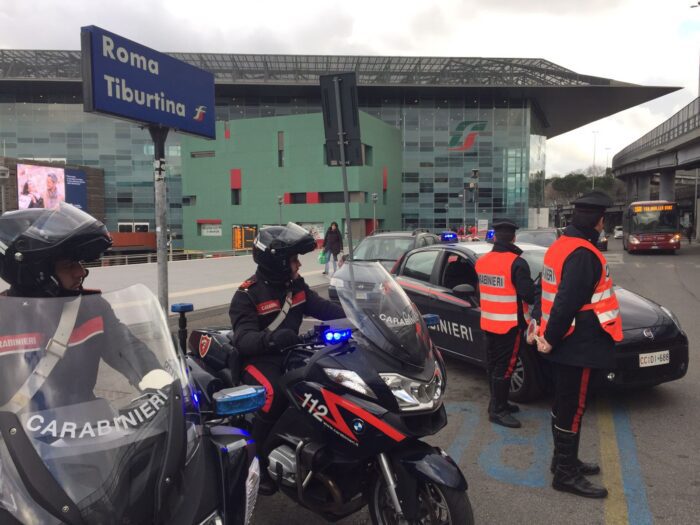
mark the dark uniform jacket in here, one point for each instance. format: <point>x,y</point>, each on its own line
<point>520,276</point>
<point>97,334</point>
<point>589,345</point>
<point>257,303</point>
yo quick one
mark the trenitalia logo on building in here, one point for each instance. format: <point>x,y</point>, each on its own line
<point>464,135</point>
<point>125,79</point>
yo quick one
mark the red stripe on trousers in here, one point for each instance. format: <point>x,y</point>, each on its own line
<point>260,378</point>
<point>581,400</point>
<point>513,357</point>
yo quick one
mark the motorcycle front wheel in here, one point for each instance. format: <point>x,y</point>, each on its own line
<point>438,504</point>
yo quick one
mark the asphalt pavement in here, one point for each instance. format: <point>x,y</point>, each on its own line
<point>647,441</point>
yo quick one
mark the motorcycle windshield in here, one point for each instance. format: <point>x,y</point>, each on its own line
<point>382,311</point>
<point>95,405</point>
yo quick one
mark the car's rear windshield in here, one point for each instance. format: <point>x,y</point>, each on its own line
<point>382,248</point>
<point>545,238</point>
<point>535,260</point>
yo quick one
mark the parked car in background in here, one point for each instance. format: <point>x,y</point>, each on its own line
<point>540,236</point>
<point>546,236</point>
<point>387,248</point>
<point>442,280</point>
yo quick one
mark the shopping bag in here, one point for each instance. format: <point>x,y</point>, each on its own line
<point>322,257</point>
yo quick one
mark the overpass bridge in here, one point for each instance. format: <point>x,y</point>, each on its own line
<point>668,151</point>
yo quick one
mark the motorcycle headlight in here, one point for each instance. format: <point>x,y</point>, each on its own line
<point>633,240</point>
<point>413,395</point>
<point>350,380</point>
<point>673,317</point>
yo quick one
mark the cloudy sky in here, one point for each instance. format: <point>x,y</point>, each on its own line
<point>648,42</point>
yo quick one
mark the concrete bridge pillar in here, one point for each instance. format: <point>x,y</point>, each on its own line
<point>667,185</point>
<point>643,187</point>
<point>631,188</point>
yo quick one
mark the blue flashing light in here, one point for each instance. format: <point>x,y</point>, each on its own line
<point>239,400</point>
<point>336,336</point>
<point>181,307</point>
<point>489,235</point>
<point>448,237</point>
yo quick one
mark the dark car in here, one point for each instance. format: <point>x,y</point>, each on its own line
<point>387,248</point>
<point>546,236</point>
<point>441,279</point>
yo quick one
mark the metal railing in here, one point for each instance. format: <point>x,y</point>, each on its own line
<point>144,258</point>
<point>686,120</point>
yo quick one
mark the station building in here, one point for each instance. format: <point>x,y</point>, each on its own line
<point>271,170</point>
<point>454,115</point>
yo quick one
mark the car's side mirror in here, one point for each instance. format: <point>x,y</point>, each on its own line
<point>464,290</point>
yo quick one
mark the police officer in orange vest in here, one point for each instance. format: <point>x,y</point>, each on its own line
<point>505,290</point>
<point>579,326</point>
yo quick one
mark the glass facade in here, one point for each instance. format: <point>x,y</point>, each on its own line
<point>444,139</point>
<point>46,127</point>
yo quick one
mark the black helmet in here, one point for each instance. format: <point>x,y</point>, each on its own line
<point>32,240</point>
<point>274,246</point>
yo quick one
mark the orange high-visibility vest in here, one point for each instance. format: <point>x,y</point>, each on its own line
<point>603,301</point>
<point>497,294</point>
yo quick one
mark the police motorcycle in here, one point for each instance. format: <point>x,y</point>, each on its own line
<point>360,400</point>
<point>100,422</point>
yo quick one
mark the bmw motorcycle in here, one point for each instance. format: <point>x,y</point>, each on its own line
<point>100,422</point>
<point>361,397</point>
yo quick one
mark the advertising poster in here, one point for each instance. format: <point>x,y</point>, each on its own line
<point>76,188</point>
<point>40,186</point>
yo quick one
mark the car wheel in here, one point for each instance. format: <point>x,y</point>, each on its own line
<point>524,383</point>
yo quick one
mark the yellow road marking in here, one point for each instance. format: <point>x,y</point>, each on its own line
<point>615,503</point>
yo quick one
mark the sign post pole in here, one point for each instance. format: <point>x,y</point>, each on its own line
<point>341,143</point>
<point>159,134</point>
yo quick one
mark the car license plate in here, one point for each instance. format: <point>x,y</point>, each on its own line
<point>362,296</point>
<point>654,247</point>
<point>655,359</point>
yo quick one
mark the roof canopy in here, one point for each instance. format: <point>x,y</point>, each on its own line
<point>563,99</point>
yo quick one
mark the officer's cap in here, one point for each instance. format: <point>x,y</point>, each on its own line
<point>594,200</point>
<point>504,225</point>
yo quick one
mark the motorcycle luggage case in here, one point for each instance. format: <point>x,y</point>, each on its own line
<point>213,347</point>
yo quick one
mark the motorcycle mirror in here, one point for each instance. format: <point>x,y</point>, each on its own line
<point>242,399</point>
<point>464,290</point>
<point>431,320</point>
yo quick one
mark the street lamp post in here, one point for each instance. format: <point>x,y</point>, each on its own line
<point>280,201</point>
<point>374,212</point>
<point>475,193</point>
<point>463,196</point>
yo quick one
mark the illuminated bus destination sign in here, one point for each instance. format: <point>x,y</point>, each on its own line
<point>656,207</point>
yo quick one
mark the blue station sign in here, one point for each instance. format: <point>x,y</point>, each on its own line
<point>127,80</point>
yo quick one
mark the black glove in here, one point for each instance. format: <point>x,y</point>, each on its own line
<point>281,339</point>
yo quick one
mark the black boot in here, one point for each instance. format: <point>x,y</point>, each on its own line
<point>587,469</point>
<point>259,432</point>
<point>567,476</point>
<point>498,408</point>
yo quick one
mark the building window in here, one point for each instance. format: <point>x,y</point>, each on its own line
<point>235,197</point>
<point>328,197</point>
<point>280,149</point>
<point>202,154</point>
<point>297,198</point>
<point>125,227</point>
<point>384,197</point>
<point>367,155</point>
<point>189,200</point>
<point>141,227</point>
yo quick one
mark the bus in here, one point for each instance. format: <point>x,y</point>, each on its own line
<point>651,225</point>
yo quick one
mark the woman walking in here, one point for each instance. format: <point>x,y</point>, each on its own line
<point>332,245</point>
